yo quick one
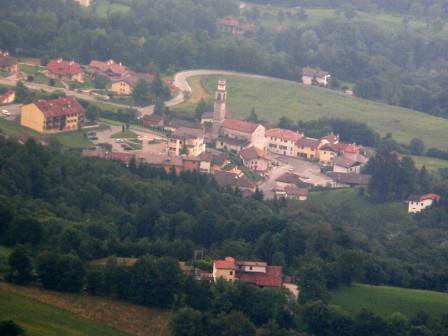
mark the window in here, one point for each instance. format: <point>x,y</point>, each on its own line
<point>250,268</point>
<point>231,272</point>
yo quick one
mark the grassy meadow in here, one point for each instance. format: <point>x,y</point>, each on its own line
<point>384,300</point>
<point>103,8</point>
<point>42,312</point>
<point>273,98</point>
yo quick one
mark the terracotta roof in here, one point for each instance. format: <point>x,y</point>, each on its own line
<point>7,61</point>
<point>308,142</point>
<point>251,153</point>
<point>240,125</point>
<point>288,178</point>
<point>272,277</point>
<point>314,72</point>
<point>227,263</point>
<point>344,162</point>
<point>153,120</point>
<point>430,196</point>
<point>59,106</point>
<point>215,157</point>
<point>187,133</point>
<point>330,147</point>
<point>109,67</point>
<point>348,148</point>
<point>283,134</point>
<point>350,178</point>
<point>331,138</point>
<point>64,68</point>
<point>224,178</point>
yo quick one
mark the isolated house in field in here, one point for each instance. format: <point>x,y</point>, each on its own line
<point>8,97</point>
<point>65,70</point>
<point>8,64</point>
<point>282,141</point>
<point>53,116</point>
<point>311,76</point>
<point>188,141</point>
<point>232,25</point>
<point>417,204</point>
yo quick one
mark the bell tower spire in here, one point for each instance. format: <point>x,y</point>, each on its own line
<point>219,108</point>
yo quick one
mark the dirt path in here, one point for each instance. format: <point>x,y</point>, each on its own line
<point>124,316</point>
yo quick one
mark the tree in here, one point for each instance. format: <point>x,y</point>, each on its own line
<point>186,322</point>
<point>159,90</point>
<point>201,108</point>
<point>236,324</point>
<point>20,269</point>
<point>142,94</point>
<point>312,283</point>
<point>160,108</point>
<point>93,112</point>
<point>10,328</point>
<point>101,82</point>
<point>23,94</point>
<point>417,146</point>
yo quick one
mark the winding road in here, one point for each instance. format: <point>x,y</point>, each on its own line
<point>180,82</point>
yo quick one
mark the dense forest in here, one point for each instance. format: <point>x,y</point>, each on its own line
<point>60,212</point>
<point>404,67</point>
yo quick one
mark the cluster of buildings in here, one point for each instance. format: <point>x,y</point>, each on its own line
<point>8,63</point>
<point>234,26</point>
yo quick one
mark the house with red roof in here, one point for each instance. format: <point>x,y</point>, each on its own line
<point>65,70</point>
<point>417,204</point>
<point>54,115</point>
<point>307,148</point>
<point>237,134</point>
<point>108,68</point>
<point>282,141</point>
<point>255,159</point>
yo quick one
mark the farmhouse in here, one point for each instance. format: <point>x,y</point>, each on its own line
<point>123,86</point>
<point>188,141</point>
<point>327,153</point>
<point>315,76</point>
<point>282,141</point>
<point>232,25</point>
<point>255,159</point>
<point>344,165</point>
<point>52,116</point>
<point>8,97</point>
<point>307,148</point>
<point>293,192</point>
<point>417,204</point>
<point>108,68</point>
<point>65,70</point>
<point>7,63</point>
<point>234,129</point>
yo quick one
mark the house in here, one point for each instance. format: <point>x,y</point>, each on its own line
<point>327,153</point>
<point>255,159</point>
<point>108,68</point>
<point>233,180</point>
<point>312,76</point>
<point>330,139</point>
<point>292,192</point>
<point>290,180</point>
<point>252,134</point>
<point>307,148</point>
<point>8,97</point>
<point>282,141</point>
<point>207,117</point>
<point>8,64</point>
<point>52,116</point>
<point>188,141</point>
<point>353,152</point>
<point>349,179</point>
<point>232,25</point>
<point>153,121</point>
<point>417,204</point>
<point>212,161</point>
<point>65,70</point>
<point>123,86</point>
<point>344,165</point>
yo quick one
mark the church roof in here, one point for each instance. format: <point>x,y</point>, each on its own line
<point>240,125</point>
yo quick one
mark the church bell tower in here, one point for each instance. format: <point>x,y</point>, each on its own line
<point>219,108</point>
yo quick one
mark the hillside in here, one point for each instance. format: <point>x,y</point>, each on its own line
<point>384,300</point>
<point>275,98</point>
<point>41,312</point>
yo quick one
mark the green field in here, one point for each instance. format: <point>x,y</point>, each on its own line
<point>39,319</point>
<point>4,255</point>
<point>124,135</point>
<point>103,8</point>
<point>384,300</point>
<point>275,98</point>
<point>430,163</point>
<point>69,140</point>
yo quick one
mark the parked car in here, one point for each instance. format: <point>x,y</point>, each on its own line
<point>6,112</point>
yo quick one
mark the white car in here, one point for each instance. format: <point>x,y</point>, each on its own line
<point>6,112</point>
<point>291,169</point>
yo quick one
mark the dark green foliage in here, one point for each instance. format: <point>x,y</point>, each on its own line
<point>10,328</point>
<point>141,93</point>
<point>20,268</point>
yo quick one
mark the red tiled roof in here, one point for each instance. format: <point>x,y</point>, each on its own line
<point>251,153</point>
<point>430,196</point>
<point>240,125</point>
<point>63,68</point>
<point>59,106</point>
<point>331,138</point>
<point>227,263</point>
<point>108,66</point>
<point>283,134</point>
<point>272,277</point>
<point>308,142</point>
<point>348,148</point>
<point>330,147</point>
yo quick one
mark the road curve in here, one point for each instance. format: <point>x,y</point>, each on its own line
<point>181,81</point>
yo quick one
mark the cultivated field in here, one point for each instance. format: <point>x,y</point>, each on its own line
<point>48,313</point>
<point>384,300</point>
<point>275,98</point>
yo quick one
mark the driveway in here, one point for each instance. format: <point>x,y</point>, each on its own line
<point>308,171</point>
<point>13,109</point>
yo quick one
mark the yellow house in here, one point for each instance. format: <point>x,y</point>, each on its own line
<point>53,116</point>
<point>124,86</point>
<point>307,148</point>
<point>189,139</point>
<point>224,269</point>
